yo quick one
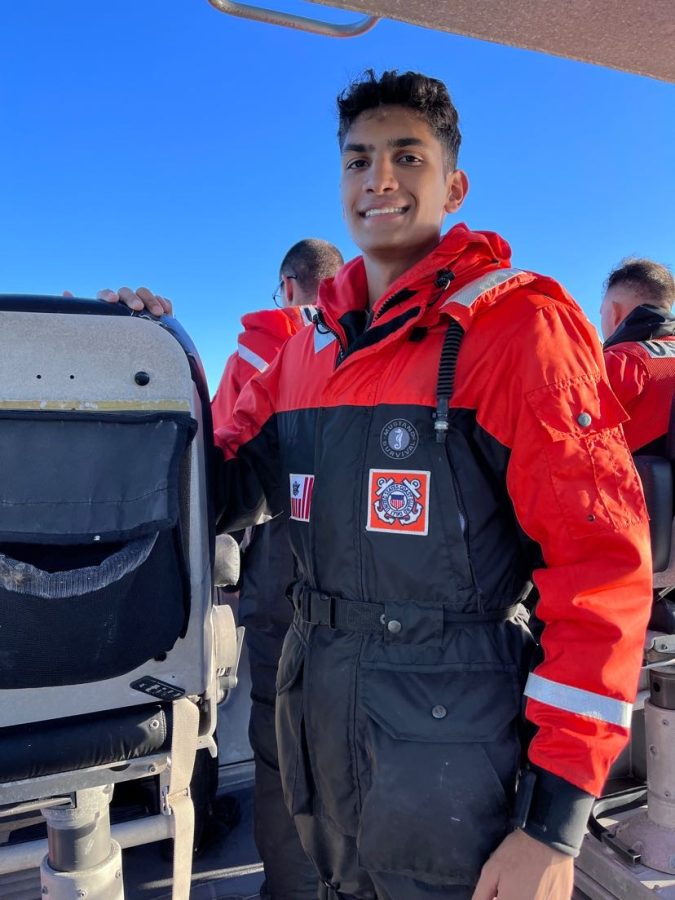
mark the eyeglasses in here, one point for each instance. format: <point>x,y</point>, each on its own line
<point>279,291</point>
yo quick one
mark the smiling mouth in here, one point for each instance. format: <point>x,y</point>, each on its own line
<point>384,211</point>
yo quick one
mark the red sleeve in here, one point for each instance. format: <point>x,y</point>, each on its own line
<point>576,493</point>
<point>238,372</point>
<point>627,375</point>
<point>647,400</point>
<point>256,350</point>
<point>250,476</point>
<point>226,394</point>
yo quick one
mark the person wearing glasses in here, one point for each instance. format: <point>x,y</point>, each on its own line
<point>303,268</point>
<point>267,563</point>
<point>267,569</point>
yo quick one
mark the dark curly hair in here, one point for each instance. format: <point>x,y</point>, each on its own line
<point>426,96</point>
<point>652,281</point>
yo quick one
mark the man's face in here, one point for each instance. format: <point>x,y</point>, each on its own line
<point>396,185</point>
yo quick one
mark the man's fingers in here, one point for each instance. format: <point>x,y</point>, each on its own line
<point>167,304</point>
<point>130,299</point>
<point>108,295</point>
<point>138,300</point>
<point>151,301</point>
<point>488,885</point>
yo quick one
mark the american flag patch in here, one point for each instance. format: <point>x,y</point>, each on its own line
<point>302,487</point>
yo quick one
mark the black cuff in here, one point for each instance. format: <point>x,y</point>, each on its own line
<point>552,810</point>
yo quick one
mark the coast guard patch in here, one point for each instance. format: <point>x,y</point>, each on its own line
<point>398,502</point>
<point>302,487</point>
<point>399,439</point>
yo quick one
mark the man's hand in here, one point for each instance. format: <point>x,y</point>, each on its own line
<point>522,868</point>
<point>138,300</point>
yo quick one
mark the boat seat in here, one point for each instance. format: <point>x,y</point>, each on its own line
<point>110,646</point>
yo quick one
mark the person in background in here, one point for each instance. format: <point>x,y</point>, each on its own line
<point>638,326</point>
<point>267,569</point>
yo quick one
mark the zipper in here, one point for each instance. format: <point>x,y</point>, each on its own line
<point>312,519</point>
<point>464,528</point>
<point>394,300</point>
<point>320,320</point>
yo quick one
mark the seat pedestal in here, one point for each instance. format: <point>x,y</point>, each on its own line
<point>82,860</point>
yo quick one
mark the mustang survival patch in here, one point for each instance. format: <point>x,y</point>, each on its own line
<point>399,439</point>
<point>302,487</point>
<point>398,502</point>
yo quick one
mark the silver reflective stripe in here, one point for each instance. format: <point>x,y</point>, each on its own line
<point>308,313</point>
<point>574,700</point>
<point>659,349</point>
<point>472,291</point>
<point>322,339</point>
<point>252,358</point>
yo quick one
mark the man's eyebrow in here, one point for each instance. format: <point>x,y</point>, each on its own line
<point>394,143</point>
<point>358,148</point>
<point>405,142</point>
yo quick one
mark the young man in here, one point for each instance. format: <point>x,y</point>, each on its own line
<point>639,330</point>
<point>267,570</point>
<point>416,528</point>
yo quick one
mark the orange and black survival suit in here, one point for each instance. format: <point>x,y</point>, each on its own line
<point>265,611</point>
<point>402,676</point>
<point>640,360</point>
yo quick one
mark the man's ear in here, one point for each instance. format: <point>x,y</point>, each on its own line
<point>288,289</point>
<point>616,315</point>
<point>457,187</point>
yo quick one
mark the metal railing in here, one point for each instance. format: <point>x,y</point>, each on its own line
<point>289,20</point>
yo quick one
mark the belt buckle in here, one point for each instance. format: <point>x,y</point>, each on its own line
<point>318,609</point>
<point>327,615</point>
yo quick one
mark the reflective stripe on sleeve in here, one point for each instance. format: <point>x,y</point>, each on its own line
<point>252,358</point>
<point>575,700</point>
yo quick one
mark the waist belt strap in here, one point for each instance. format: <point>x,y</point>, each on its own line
<point>341,614</point>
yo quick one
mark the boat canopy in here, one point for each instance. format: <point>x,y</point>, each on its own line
<point>633,37</point>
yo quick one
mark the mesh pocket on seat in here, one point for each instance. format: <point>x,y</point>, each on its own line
<point>21,577</point>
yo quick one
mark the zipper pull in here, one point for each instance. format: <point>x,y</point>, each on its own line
<point>441,423</point>
<point>443,278</point>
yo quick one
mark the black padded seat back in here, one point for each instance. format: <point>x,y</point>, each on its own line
<point>656,474</point>
<point>665,578</point>
<point>670,439</point>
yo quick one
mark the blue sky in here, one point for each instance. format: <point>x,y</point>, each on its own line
<point>169,145</point>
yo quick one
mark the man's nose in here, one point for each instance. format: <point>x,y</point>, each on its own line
<point>381,177</point>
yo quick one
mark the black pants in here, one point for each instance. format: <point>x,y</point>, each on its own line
<point>399,762</point>
<point>289,874</point>
<point>397,888</point>
<point>266,613</point>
